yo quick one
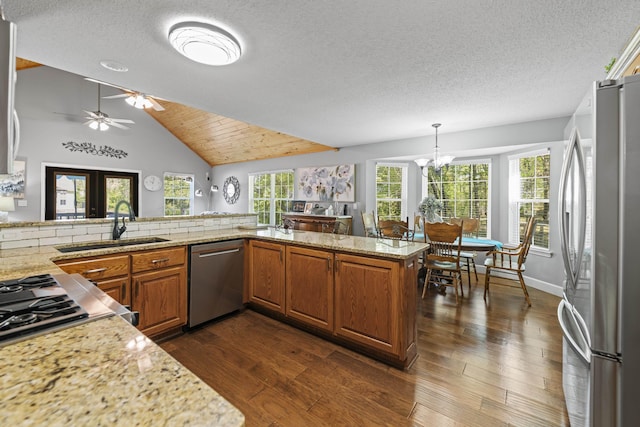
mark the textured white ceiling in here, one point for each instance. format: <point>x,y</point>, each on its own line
<point>345,72</point>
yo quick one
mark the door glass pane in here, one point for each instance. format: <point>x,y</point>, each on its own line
<point>71,196</point>
<point>117,189</point>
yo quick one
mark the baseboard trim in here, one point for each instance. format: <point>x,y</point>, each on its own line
<point>531,282</point>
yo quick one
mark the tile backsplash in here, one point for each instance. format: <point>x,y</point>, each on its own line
<point>23,235</point>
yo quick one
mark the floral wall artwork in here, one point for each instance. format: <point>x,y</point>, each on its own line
<point>327,183</point>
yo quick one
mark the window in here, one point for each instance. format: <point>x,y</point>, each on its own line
<point>270,194</point>
<point>529,195</point>
<point>86,193</point>
<point>178,194</point>
<point>391,191</point>
<point>463,189</point>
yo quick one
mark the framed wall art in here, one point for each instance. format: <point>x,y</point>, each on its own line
<point>327,183</point>
<point>13,185</point>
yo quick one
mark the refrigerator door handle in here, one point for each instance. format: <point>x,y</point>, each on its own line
<point>572,269</point>
<point>583,351</point>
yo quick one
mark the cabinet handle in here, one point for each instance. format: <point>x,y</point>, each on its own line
<point>124,290</point>
<point>280,255</point>
<point>328,263</point>
<point>156,261</point>
<point>95,270</point>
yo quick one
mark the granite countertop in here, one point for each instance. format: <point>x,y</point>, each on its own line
<point>104,373</point>
<point>21,262</point>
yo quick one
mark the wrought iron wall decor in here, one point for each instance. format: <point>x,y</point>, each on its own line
<point>89,148</point>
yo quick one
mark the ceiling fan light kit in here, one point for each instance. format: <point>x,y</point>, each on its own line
<point>205,43</point>
<point>97,120</point>
<point>138,101</point>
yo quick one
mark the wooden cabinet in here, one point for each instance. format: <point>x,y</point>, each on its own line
<point>315,222</point>
<point>309,286</point>
<point>367,301</point>
<point>159,281</point>
<point>153,283</point>
<point>161,299</point>
<point>110,273</point>
<point>267,275</point>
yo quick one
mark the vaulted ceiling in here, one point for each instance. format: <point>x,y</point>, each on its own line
<point>220,140</point>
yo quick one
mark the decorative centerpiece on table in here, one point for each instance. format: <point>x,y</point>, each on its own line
<point>429,208</point>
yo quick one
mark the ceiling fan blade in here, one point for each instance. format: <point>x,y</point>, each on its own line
<point>118,125</point>
<point>122,121</point>
<point>92,114</point>
<point>100,82</point>
<point>155,104</point>
<point>121,95</point>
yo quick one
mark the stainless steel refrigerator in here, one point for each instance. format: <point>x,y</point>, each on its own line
<point>599,210</point>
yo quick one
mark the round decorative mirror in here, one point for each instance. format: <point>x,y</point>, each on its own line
<point>231,189</point>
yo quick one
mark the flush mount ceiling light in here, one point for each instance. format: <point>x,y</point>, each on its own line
<point>204,43</point>
<point>438,161</point>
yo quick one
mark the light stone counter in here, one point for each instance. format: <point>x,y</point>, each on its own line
<point>104,373</point>
<point>21,262</point>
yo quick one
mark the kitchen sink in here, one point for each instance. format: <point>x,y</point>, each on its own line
<point>109,244</point>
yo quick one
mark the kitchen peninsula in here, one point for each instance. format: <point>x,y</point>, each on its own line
<point>109,354</point>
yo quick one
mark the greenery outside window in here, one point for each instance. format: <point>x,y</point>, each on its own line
<point>270,195</point>
<point>529,195</point>
<point>463,189</point>
<point>72,193</point>
<point>178,194</point>
<point>391,191</point>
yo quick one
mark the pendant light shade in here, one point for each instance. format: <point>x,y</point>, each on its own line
<point>438,160</point>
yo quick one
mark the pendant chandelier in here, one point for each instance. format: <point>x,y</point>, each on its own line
<point>438,160</point>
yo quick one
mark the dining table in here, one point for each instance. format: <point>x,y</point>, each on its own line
<point>477,244</point>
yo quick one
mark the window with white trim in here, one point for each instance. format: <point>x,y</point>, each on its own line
<point>270,194</point>
<point>529,183</point>
<point>463,189</point>
<point>391,190</point>
<point>178,194</point>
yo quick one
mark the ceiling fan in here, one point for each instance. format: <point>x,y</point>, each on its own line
<point>101,121</point>
<point>134,98</point>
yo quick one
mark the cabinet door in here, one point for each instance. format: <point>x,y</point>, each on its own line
<point>309,286</point>
<point>266,276</point>
<point>161,299</point>
<point>367,301</point>
<point>117,288</point>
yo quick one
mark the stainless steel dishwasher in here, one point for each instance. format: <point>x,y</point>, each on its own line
<point>215,280</point>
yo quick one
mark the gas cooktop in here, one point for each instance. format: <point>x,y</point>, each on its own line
<point>33,304</point>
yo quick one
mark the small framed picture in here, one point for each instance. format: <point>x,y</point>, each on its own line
<point>297,206</point>
<point>307,207</point>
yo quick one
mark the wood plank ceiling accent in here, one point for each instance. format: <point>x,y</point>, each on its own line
<point>23,64</point>
<point>220,140</point>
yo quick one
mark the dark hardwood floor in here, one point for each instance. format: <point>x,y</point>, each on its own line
<point>493,364</point>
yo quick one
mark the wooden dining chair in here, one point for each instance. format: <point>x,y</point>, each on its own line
<point>394,229</point>
<point>510,260</point>
<point>470,228</point>
<point>369,223</point>
<point>443,256</point>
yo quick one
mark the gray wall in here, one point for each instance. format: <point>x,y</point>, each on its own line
<point>510,139</point>
<point>50,104</point>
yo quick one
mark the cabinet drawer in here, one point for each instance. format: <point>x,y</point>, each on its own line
<point>156,259</point>
<point>98,268</point>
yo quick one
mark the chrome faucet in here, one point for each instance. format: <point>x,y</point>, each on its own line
<point>118,231</point>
